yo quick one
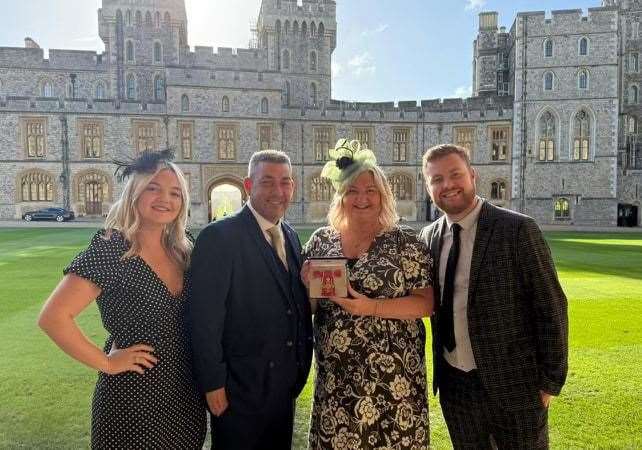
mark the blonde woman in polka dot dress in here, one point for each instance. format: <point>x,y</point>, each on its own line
<point>136,270</point>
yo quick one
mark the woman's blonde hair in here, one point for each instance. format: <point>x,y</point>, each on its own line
<point>388,217</point>
<point>124,217</point>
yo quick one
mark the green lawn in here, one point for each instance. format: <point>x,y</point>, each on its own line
<point>45,396</point>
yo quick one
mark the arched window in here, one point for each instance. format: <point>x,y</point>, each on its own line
<point>167,18</point>
<point>320,189</point>
<point>93,189</point>
<point>264,106</point>
<point>562,209</point>
<point>581,136</point>
<point>128,18</point>
<point>184,103</point>
<point>583,46</point>
<point>286,59</point>
<point>131,87</point>
<point>129,51</point>
<point>401,186</point>
<point>498,190</point>
<point>148,19</point>
<point>139,18</point>
<point>313,61</point>
<point>286,93</point>
<point>157,19</point>
<point>158,52</point>
<point>548,48</point>
<point>313,29</point>
<point>37,186</point>
<point>634,62</point>
<point>548,81</point>
<point>287,27</point>
<point>313,95</point>
<point>278,27</point>
<point>47,89</point>
<point>278,4</point>
<point>225,104</point>
<point>159,88</point>
<point>295,27</point>
<point>634,95</point>
<point>583,79</point>
<point>304,29</point>
<point>547,128</point>
<point>100,90</point>
<point>321,30</point>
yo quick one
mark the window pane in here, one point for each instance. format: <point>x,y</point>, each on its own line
<point>550,150</point>
<point>585,149</point>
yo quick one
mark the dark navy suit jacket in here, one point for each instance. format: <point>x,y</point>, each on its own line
<point>250,319</point>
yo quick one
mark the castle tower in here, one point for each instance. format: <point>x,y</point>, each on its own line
<point>140,40</point>
<point>299,38</point>
<point>490,60</point>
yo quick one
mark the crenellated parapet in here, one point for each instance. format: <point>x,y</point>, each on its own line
<point>228,58</point>
<point>38,105</point>
<point>33,58</point>
<point>571,20</point>
<point>472,109</point>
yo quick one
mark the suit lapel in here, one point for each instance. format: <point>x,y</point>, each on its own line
<point>482,236</point>
<point>435,249</point>
<point>292,241</point>
<point>264,247</point>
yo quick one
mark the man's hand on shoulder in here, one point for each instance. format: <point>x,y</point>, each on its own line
<point>217,401</point>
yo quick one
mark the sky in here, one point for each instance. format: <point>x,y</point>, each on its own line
<point>387,50</point>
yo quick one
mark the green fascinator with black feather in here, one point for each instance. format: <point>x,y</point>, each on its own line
<point>346,158</point>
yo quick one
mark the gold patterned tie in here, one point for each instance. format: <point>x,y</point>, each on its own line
<point>277,243</point>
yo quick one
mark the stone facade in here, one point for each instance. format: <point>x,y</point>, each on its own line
<point>65,118</point>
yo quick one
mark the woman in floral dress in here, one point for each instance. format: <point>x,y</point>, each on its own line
<point>370,387</point>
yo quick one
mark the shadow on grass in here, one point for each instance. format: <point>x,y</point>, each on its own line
<point>619,260</point>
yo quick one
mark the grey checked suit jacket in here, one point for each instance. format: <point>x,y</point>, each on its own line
<point>517,311</point>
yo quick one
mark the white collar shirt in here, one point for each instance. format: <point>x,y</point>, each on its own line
<point>265,225</point>
<point>462,356</point>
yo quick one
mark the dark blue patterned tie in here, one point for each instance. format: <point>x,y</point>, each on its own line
<point>446,318</point>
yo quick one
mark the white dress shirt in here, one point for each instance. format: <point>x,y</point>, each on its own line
<point>265,225</point>
<point>462,356</point>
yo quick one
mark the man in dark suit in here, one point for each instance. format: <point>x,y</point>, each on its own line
<point>500,333</point>
<point>250,314</point>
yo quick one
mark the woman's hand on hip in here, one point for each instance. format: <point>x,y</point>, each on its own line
<point>136,358</point>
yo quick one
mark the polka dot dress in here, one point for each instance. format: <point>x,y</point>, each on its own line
<point>162,408</point>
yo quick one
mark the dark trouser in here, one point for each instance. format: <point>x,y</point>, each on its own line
<point>476,422</point>
<point>269,430</point>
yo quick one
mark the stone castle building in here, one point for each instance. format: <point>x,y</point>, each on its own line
<point>552,125</point>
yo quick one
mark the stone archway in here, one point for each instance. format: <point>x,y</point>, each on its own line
<point>225,195</point>
<point>93,191</point>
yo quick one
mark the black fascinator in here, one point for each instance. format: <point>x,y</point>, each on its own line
<point>147,162</point>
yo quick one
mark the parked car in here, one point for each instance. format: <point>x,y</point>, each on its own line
<point>57,214</point>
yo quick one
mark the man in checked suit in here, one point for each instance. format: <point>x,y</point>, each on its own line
<point>250,314</point>
<point>500,333</point>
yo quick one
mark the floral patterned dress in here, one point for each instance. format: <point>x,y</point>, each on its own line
<point>370,387</point>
